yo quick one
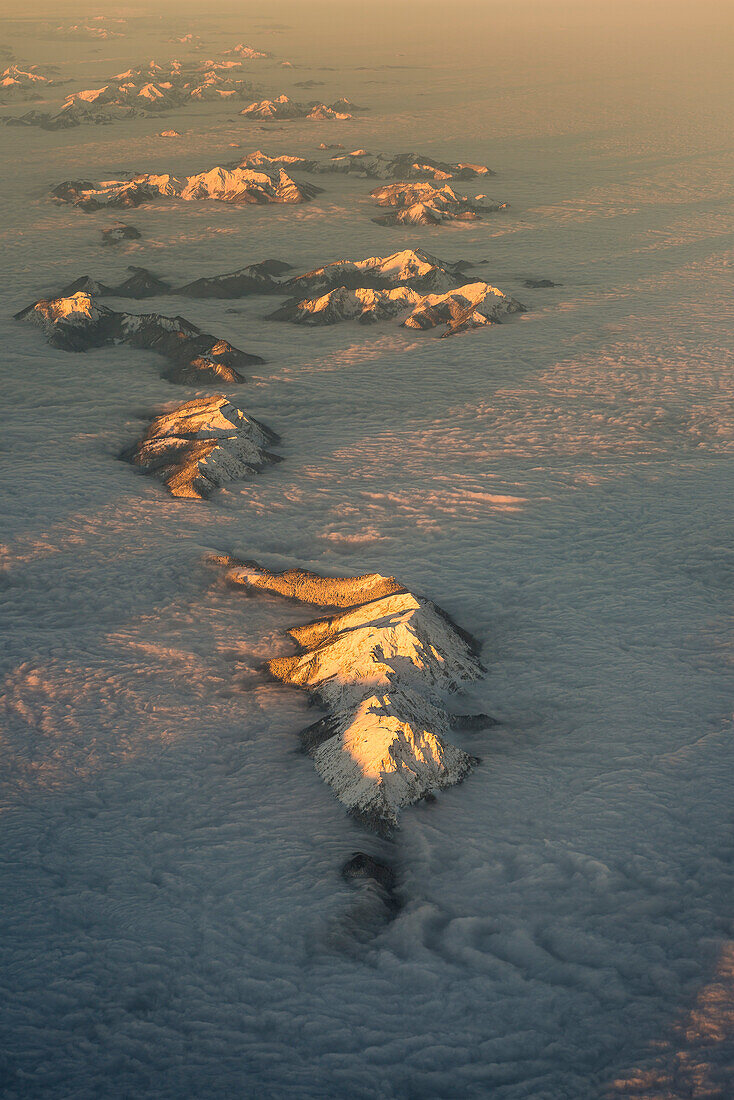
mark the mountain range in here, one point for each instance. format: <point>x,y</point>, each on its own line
<point>462,308</point>
<point>78,323</point>
<point>284,108</point>
<point>237,186</point>
<point>143,90</point>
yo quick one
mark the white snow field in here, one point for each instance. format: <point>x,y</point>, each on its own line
<point>173,919</point>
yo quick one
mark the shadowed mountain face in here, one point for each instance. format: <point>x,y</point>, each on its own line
<point>236,186</point>
<point>401,166</point>
<point>382,666</point>
<point>201,445</point>
<point>260,278</point>
<point>77,323</point>
<point>116,234</point>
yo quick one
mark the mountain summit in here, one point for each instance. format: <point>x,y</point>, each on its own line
<point>382,665</point>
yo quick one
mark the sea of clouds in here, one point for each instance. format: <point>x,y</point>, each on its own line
<point>174,923</point>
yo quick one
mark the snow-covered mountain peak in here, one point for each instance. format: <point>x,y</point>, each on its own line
<point>381,666</point>
<point>77,309</point>
<point>202,445</point>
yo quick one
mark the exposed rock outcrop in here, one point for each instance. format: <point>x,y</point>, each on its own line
<point>78,323</point>
<point>201,445</point>
<point>118,233</point>
<point>382,666</point>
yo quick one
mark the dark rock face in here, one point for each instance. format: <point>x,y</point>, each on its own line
<point>77,323</point>
<point>314,736</point>
<point>70,190</point>
<point>46,121</point>
<point>141,283</point>
<point>259,278</point>
<point>539,284</point>
<point>120,233</point>
<point>375,904</point>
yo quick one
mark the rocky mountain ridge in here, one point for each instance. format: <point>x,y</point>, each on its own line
<point>78,323</point>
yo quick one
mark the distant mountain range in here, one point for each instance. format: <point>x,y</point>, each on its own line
<point>397,166</point>
<point>284,108</point>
